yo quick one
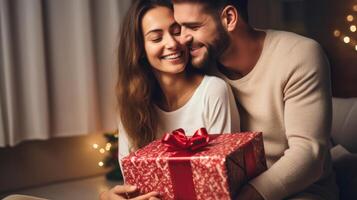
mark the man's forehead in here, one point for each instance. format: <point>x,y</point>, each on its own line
<point>188,10</point>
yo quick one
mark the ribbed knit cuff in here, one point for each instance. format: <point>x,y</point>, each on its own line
<point>268,185</point>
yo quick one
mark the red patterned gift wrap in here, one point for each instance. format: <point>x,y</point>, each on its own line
<point>216,170</point>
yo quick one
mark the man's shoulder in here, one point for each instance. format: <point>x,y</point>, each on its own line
<point>295,54</point>
<point>295,50</point>
<point>290,42</point>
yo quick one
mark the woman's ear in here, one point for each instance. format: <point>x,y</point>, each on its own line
<point>229,17</point>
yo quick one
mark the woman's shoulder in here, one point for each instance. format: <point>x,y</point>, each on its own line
<point>215,84</point>
<point>215,88</point>
<point>213,79</point>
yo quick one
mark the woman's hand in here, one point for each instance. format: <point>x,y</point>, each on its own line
<point>120,192</point>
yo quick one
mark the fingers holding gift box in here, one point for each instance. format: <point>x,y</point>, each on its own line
<point>216,169</point>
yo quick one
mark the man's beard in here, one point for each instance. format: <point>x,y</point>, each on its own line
<point>214,50</point>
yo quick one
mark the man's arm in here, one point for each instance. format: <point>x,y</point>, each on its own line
<point>307,120</point>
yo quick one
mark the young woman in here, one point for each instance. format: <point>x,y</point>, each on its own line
<point>158,91</point>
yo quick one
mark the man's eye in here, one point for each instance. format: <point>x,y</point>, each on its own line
<point>177,33</point>
<point>176,30</point>
<point>195,28</point>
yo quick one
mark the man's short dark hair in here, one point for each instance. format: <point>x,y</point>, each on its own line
<point>218,5</point>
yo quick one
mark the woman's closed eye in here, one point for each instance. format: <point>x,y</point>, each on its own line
<point>154,37</point>
<point>156,40</point>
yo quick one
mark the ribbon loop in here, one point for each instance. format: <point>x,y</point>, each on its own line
<point>178,139</point>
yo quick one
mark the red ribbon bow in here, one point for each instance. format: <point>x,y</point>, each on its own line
<point>179,140</point>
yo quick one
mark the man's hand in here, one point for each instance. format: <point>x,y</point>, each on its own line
<point>121,192</point>
<point>248,192</point>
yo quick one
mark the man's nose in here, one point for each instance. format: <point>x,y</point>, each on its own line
<point>185,38</point>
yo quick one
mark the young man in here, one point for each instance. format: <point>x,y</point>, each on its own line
<point>281,83</point>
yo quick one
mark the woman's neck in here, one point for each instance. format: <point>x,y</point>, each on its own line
<point>177,89</point>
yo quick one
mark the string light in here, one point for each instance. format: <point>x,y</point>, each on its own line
<point>337,33</point>
<point>345,37</point>
<point>102,151</point>
<point>107,147</point>
<point>350,18</point>
<point>108,153</point>
<point>355,8</point>
<point>110,145</point>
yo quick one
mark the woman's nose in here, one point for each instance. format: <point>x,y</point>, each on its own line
<point>172,43</point>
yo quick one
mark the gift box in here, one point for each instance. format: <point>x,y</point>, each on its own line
<point>199,167</point>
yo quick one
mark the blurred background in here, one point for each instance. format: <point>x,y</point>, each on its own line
<point>331,23</point>
<point>58,75</point>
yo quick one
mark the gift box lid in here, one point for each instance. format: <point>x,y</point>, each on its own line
<point>220,146</point>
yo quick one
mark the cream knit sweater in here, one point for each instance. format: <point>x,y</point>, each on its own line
<point>287,96</point>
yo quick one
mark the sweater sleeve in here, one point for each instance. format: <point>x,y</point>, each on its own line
<point>307,120</point>
<point>123,142</point>
<point>221,111</point>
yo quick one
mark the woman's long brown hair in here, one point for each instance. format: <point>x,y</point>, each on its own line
<point>137,88</point>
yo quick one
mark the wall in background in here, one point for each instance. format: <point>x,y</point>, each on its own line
<point>37,163</point>
<point>316,19</point>
<point>66,53</point>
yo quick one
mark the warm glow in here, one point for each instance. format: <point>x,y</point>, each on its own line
<point>337,33</point>
<point>95,146</point>
<point>100,164</point>
<point>101,150</point>
<point>347,39</point>
<point>356,47</point>
<point>355,7</point>
<point>350,18</point>
<point>353,28</point>
<point>108,146</point>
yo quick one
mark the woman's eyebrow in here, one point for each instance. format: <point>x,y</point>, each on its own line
<point>153,31</point>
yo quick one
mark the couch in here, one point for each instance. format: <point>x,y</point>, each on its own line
<point>344,151</point>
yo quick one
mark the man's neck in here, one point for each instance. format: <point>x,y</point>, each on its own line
<point>243,53</point>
